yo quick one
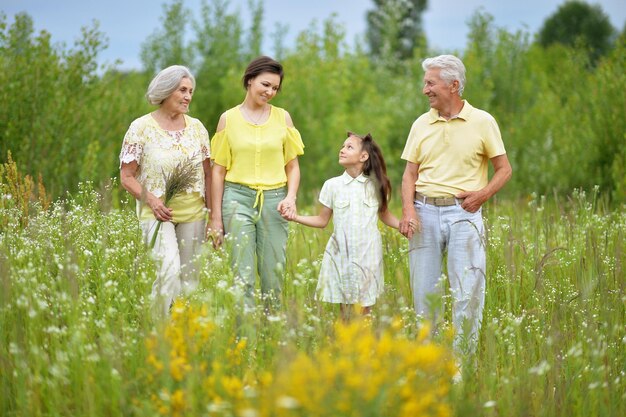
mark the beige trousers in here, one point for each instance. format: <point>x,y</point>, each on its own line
<point>175,252</point>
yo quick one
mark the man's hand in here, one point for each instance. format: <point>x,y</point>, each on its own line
<point>473,200</point>
<point>409,224</point>
<point>501,174</point>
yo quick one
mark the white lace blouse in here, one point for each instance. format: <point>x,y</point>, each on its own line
<point>157,151</point>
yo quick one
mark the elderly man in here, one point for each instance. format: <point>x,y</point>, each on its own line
<point>444,186</point>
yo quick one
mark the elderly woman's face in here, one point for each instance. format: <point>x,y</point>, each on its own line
<point>178,101</point>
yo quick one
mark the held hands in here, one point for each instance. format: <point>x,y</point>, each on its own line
<point>291,217</point>
<point>215,233</point>
<point>409,225</point>
<point>160,211</point>
<point>287,208</point>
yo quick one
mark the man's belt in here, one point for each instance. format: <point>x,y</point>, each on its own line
<point>438,201</point>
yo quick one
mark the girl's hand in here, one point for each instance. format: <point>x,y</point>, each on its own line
<point>160,211</point>
<point>409,225</point>
<point>215,233</point>
<point>291,218</point>
<point>287,208</point>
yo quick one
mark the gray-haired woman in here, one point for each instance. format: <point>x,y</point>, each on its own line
<point>153,146</point>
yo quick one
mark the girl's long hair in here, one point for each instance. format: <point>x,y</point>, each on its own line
<point>375,168</point>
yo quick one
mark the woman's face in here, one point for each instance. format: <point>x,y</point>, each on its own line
<point>178,101</point>
<point>263,87</point>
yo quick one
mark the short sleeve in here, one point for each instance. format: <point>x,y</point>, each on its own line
<point>293,145</point>
<point>493,141</point>
<point>221,154</point>
<point>326,195</point>
<point>410,148</point>
<point>205,146</point>
<point>132,146</point>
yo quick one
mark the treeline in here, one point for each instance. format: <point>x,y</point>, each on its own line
<point>561,115</point>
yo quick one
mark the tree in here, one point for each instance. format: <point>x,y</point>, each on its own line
<point>576,23</point>
<point>395,28</point>
<point>166,46</point>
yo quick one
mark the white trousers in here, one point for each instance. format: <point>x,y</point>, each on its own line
<point>176,246</point>
<point>461,234</point>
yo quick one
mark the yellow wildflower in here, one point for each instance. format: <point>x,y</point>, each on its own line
<point>177,401</point>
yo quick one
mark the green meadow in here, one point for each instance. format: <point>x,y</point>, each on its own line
<point>77,337</point>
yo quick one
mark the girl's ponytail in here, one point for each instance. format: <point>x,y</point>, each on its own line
<point>375,168</point>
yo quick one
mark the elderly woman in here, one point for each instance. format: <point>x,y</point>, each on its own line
<point>255,178</point>
<point>156,145</point>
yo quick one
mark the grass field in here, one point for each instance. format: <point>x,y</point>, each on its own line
<point>77,337</point>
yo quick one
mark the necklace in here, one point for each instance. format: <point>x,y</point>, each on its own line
<point>249,116</point>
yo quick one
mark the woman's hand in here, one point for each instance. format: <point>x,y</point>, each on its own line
<point>160,211</point>
<point>129,181</point>
<point>287,208</point>
<point>215,232</point>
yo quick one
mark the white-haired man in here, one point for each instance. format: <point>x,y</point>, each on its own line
<point>444,186</point>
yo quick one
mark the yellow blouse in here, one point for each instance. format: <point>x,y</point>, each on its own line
<point>256,155</point>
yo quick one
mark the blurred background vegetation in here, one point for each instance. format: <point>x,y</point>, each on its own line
<point>558,95</point>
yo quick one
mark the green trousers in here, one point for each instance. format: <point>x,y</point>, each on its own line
<point>257,238</point>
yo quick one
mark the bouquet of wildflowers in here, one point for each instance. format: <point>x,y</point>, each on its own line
<point>179,179</point>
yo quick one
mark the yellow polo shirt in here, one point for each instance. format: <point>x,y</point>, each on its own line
<point>453,155</point>
<point>256,155</point>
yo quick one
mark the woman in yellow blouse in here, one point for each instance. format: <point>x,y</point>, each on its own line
<point>255,178</point>
<point>154,144</point>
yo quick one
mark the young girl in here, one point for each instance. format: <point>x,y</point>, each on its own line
<point>352,267</point>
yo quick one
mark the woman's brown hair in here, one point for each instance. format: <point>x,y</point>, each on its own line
<point>260,65</point>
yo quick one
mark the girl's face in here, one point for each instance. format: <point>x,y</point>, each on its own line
<point>263,87</point>
<point>351,153</point>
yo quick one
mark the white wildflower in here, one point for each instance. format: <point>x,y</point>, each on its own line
<point>287,402</point>
<point>540,369</point>
<point>248,412</point>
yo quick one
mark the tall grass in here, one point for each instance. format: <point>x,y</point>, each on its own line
<point>76,336</point>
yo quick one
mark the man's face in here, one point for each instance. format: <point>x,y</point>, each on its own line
<point>439,93</point>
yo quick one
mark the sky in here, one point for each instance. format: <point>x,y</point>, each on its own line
<point>127,23</point>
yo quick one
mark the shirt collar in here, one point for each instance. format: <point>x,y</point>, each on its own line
<point>433,114</point>
<point>347,178</point>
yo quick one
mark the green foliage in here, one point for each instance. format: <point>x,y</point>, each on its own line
<point>19,194</point>
<point>57,116</point>
<point>394,29</point>
<point>607,129</point>
<point>219,40</point>
<point>166,45</point>
<point>577,22</point>
<point>65,118</point>
<point>551,107</point>
<point>255,38</point>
